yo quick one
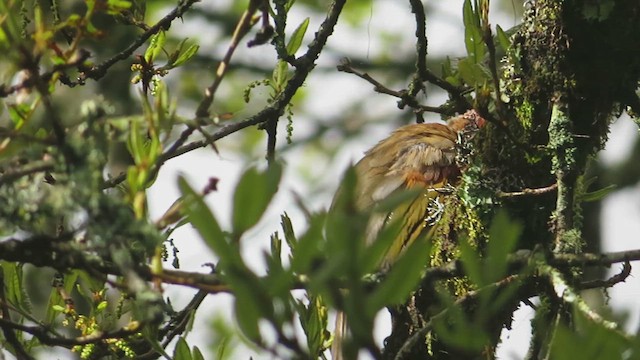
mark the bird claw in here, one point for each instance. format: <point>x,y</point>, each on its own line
<point>435,209</point>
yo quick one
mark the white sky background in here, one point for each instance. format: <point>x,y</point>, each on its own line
<point>328,94</point>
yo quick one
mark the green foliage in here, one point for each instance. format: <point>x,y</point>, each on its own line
<point>296,38</point>
<point>252,196</point>
<point>476,49</point>
<point>313,319</point>
<point>182,352</point>
<point>597,342</point>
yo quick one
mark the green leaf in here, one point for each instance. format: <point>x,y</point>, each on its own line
<point>16,293</point>
<point>374,254</point>
<point>310,247</point>
<point>473,74</point>
<point>181,352</point>
<point>473,33</point>
<point>117,6</point>
<point>503,238</point>
<point>186,55</point>
<point>296,38</point>
<point>403,277</point>
<point>596,342</point>
<point>503,38</point>
<point>471,263</point>
<point>597,194</point>
<point>206,224</point>
<point>287,229</point>
<point>252,196</point>
<point>19,114</point>
<point>247,316</point>
<point>313,319</point>
<point>135,142</point>
<point>197,354</point>
<point>280,75</point>
<point>155,46</point>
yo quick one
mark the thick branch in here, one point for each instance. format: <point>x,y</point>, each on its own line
<point>562,143</point>
<point>59,253</point>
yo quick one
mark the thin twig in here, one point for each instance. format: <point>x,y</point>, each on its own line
<point>100,70</point>
<point>31,168</point>
<point>30,81</point>
<point>406,98</point>
<point>242,28</point>
<point>610,282</point>
<point>528,192</point>
<point>271,127</point>
<point>417,82</point>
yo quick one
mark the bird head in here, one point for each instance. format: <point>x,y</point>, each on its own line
<point>469,122</point>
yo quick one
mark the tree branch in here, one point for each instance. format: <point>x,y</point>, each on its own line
<point>610,282</point>
<point>405,97</point>
<point>528,192</point>
<point>304,65</point>
<point>30,168</point>
<point>100,70</point>
<point>242,28</point>
<point>59,253</point>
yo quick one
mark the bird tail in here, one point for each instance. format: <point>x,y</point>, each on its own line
<point>339,334</point>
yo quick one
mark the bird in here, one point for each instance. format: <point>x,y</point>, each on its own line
<point>426,157</point>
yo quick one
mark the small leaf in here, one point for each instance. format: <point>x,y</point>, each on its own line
<point>503,38</point>
<point>314,321</point>
<point>287,229</point>
<point>136,142</point>
<point>19,113</point>
<point>181,352</point>
<point>186,55</point>
<point>252,196</point>
<point>597,194</point>
<point>473,33</point>
<point>280,75</point>
<point>296,38</point>
<point>155,46</point>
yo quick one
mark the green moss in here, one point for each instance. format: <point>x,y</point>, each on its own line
<point>524,113</point>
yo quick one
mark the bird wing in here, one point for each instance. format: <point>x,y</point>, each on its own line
<point>418,153</point>
<point>414,156</point>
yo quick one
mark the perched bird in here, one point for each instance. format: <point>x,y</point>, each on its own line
<point>429,157</point>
